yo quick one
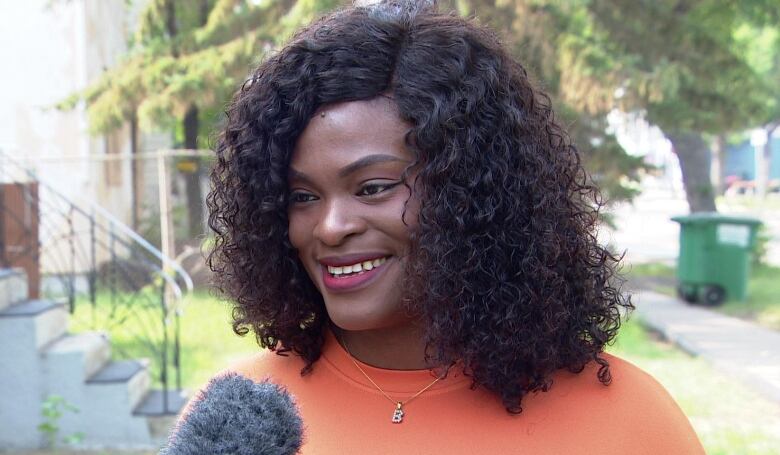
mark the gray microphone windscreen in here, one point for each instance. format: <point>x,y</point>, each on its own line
<point>235,415</point>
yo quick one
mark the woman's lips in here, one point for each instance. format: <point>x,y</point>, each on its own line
<point>354,281</point>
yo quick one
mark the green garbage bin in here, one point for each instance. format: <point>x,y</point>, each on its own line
<point>714,261</point>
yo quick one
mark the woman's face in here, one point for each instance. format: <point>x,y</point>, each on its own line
<point>346,211</point>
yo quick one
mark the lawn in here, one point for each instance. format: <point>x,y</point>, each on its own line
<point>656,276</point>
<point>729,418</point>
<point>208,341</point>
<point>763,301</point>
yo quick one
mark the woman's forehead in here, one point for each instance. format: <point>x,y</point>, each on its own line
<point>341,133</point>
<point>381,105</point>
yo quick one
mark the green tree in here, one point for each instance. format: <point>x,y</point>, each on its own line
<point>681,62</point>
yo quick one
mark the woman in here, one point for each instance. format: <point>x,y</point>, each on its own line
<point>400,218</point>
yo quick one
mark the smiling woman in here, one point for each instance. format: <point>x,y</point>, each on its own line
<point>399,215</point>
<point>350,222</point>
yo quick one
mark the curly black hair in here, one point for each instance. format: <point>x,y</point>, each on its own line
<point>505,270</point>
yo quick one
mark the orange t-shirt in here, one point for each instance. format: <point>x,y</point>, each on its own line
<point>343,413</point>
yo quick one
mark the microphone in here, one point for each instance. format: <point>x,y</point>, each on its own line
<point>235,415</point>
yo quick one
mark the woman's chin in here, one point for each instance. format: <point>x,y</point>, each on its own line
<point>352,319</point>
<point>353,322</point>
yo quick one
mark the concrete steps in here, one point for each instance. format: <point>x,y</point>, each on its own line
<point>36,322</point>
<point>13,287</point>
<point>39,358</point>
<point>90,351</point>
<point>129,379</point>
<point>153,403</point>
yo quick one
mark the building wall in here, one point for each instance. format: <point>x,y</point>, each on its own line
<point>43,62</point>
<point>741,160</point>
<point>49,50</point>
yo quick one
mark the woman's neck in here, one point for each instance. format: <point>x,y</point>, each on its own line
<point>393,348</point>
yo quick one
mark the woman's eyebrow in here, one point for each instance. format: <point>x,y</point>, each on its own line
<point>366,161</point>
<point>298,176</point>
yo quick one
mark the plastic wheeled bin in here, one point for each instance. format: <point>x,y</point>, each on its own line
<point>714,260</point>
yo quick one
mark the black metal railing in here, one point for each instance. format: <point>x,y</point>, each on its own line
<point>111,278</point>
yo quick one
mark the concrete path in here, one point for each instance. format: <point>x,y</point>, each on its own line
<point>740,349</point>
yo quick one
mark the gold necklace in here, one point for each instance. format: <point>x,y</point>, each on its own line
<point>398,413</point>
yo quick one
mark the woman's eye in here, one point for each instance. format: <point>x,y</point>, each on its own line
<point>299,197</point>
<point>371,189</point>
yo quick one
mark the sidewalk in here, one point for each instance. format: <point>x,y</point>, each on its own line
<point>738,348</point>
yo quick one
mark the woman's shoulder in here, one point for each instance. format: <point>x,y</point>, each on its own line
<point>636,403</point>
<point>623,370</point>
<point>634,386</point>
<point>629,388</point>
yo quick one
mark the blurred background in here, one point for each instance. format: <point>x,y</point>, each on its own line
<point>108,112</point>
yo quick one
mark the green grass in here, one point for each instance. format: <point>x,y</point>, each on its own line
<point>762,304</point>
<point>650,269</point>
<point>729,418</point>
<point>208,341</point>
<point>655,275</point>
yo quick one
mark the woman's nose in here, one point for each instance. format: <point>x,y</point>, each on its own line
<point>338,221</point>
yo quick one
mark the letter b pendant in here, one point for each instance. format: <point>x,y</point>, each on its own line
<point>398,414</point>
